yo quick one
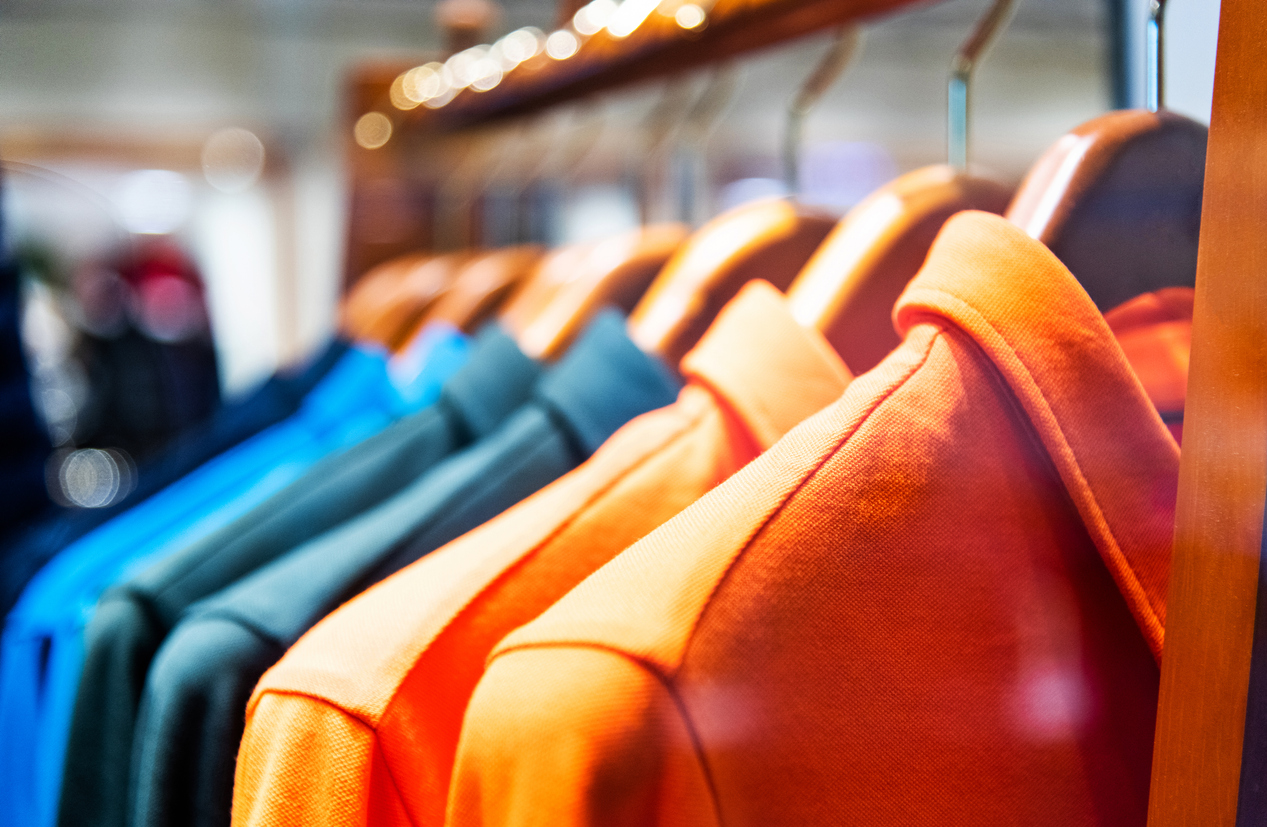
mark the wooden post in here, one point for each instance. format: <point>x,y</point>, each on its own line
<point>1212,606</point>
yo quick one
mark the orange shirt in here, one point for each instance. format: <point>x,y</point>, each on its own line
<point>358,724</point>
<point>1155,332</point>
<point>940,600</point>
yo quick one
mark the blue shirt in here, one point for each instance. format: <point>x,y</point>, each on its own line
<point>41,653</point>
<point>26,552</point>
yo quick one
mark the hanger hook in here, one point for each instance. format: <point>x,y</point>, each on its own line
<point>700,121</point>
<point>831,66</point>
<point>1156,70</point>
<point>961,69</point>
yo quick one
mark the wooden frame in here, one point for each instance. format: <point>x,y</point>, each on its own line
<point>1201,736</point>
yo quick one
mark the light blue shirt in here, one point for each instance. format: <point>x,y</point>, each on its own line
<point>41,652</point>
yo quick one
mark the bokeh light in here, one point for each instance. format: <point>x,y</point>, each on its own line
<point>690,16</point>
<point>233,159</point>
<point>562,44</point>
<point>153,201</point>
<point>373,130</point>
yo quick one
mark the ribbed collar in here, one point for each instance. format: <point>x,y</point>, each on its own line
<point>496,379</point>
<point>1056,353</point>
<point>603,381</point>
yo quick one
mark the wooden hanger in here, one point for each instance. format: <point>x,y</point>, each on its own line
<point>1118,199</point>
<point>371,294</point>
<point>553,271</point>
<point>615,273</point>
<point>422,284</point>
<point>768,239</point>
<point>569,288</point>
<point>848,289</point>
<point>481,286</point>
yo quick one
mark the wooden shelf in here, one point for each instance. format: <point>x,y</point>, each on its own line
<point>657,48</point>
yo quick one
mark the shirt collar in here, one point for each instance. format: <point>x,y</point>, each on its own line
<point>1056,353</point>
<point>358,381</point>
<point>764,366</point>
<point>496,379</point>
<point>603,381</point>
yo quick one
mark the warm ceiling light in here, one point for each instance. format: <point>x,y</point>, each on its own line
<point>399,97</point>
<point>440,100</point>
<point>562,44</point>
<point>518,46</point>
<point>589,19</point>
<point>373,129</point>
<point>422,83</point>
<point>629,16</point>
<point>690,16</point>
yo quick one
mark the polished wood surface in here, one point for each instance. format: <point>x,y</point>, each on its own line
<point>553,271</point>
<point>1205,667</point>
<point>657,48</point>
<point>768,240</point>
<point>370,296</point>
<point>422,284</point>
<point>616,273</point>
<point>848,289</point>
<point>481,286</point>
<point>1118,200</point>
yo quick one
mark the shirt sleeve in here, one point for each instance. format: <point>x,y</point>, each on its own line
<point>120,641</point>
<point>191,720</point>
<point>574,736</point>
<point>306,763</point>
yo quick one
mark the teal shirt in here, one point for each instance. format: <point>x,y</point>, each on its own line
<point>194,702</point>
<point>133,618</point>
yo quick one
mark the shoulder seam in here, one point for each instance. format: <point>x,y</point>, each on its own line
<point>683,430</point>
<point>787,498</point>
<point>1116,551</point>
<point>665,682</point>
<point>378,747</point>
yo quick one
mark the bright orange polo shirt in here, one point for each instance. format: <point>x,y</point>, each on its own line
<point>358,724</point>
<point>938,601</point>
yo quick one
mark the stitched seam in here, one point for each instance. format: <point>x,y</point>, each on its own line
<point>666,682</point>
<point>300,693</point>
<point>758,530</point>
<point>143,601</point>
<point>568,433</point>
<point>666,678</point>
<point>686,428</point>
<point>387,768</point>
<point>723,401</point>
<point>378,747</point>
<point>1081,477</point>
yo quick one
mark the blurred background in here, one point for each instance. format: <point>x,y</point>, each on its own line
<point>189,185</point>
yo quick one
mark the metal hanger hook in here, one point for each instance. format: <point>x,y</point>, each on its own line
<point>1154,93</point>
<point>961,68</point>
<point>832,65</point>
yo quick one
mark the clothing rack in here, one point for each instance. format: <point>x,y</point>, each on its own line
<point>659,47</point>
<point>1209,755</point>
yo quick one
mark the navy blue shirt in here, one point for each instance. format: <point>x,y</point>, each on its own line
<point>279,397</point>
<point>194,704</point>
